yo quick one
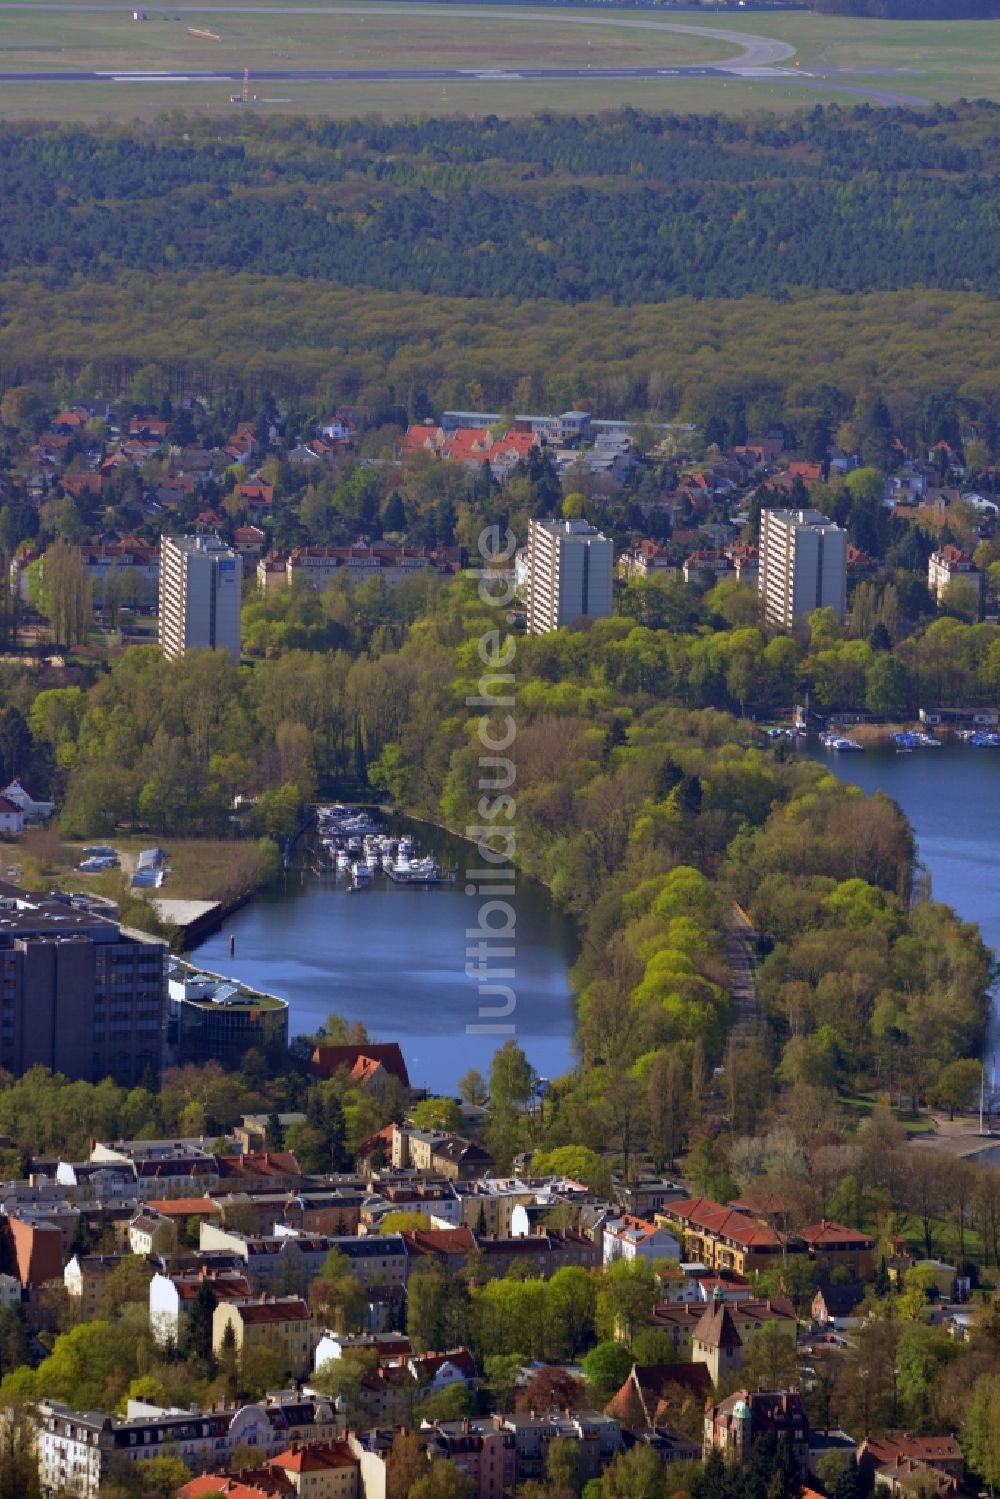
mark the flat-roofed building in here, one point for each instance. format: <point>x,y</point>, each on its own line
<point>802,565</point>
<point>78,993</point>
<point>200,595</point>
<point>570,574</point>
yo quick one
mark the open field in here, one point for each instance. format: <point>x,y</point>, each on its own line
<point>942,60</point>
<point>328,38</point>
<point>94,103</point>
<point>833,57</point>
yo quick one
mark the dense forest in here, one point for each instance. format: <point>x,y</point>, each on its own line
<point>227,334</point>
<point>640,263</point>
<point>624,206</point>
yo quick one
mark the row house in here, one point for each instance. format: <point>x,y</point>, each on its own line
<point>259,1171</point>
<point>722,1239</point>
<point>173,1155</point>
<point>453,1157</point>
<point>262,1322</point>
<point>76,1449</point>
<point>540,1254</point>
<point>941,1455</point>
<point>834,1246</point>
<point>439,1202</point>
<point>482,1449</point>
<point>320,1470</point>
<point>318,565</point>
<point>337,1211</point>
<point>266,1257</point>
<point>171,1298</point>
<point>489,1206</point>
<point>116,553</point>
<point>597,1438</point>
<point>85,1278</point>
<point>629,1238</point>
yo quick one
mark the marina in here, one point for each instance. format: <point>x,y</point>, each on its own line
<point>355,845</point>
<point>840,744</point>
<point>393,956</point>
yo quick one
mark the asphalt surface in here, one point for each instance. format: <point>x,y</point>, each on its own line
<point>758,58</point>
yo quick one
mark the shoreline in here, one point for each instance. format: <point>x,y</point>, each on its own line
<point>878,735</point>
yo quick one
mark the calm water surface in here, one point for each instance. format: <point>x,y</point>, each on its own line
<point>952,799</point>
<point>394,957</point>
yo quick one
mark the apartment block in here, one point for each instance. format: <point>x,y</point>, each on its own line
<point>803,565</point>
<point>570,566</point>
<point>282,1322</point>
<point>200,596</point>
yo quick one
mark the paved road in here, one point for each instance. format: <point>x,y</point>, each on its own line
<point>757,58</point>
<point>362,75</point>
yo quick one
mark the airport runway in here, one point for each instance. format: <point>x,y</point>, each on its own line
<point>721,72</point>
<point>756,59</point>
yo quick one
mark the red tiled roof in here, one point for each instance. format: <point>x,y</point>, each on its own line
<point>929,1450</point>
<point>234,1488</point>
<point>711,1217</point>
<point>184,1207</point>
<point>439,1240</point>
<point>315,1459</point>
<point>459,1358</point>
<point>467,443</point>
<point>327,1060</point>
<point>828,1233</point>
<point>515,442</point>
<point>292,1309</point>
<point>260,494</point>
<point>266,1163</point>
<point>364,1070</point>
<point>810,472</point>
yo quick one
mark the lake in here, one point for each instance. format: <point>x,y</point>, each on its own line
<point>394,958</point>
<point>952,799</point>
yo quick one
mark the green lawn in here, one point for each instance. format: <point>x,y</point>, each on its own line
<point>419,37</point>
<point>945,60</point>
<point>940,61</point>
<point>914,1121</point>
